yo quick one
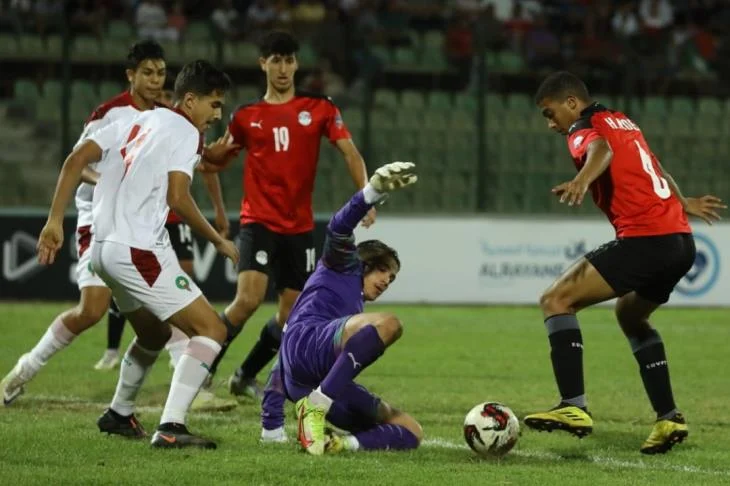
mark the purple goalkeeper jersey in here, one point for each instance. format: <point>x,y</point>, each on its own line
<point>335,288</point>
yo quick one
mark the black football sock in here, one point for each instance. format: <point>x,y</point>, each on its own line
<point>115,326</point>
<point>263,351</point>
<point>231,333</point>
<point>566,354</point>
<point>649,353</point>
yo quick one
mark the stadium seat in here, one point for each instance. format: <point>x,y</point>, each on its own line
<point>386,99</point>
<point>511,62</point>
<point>655,105</point>
<point>682,106</point>
<point>26,91</point>
<point>433,39</point>
<point>432,59</point>
<point>494,102</point>
<point>440,101</point>
<point>404,58</point>
<point>709,106</point>
<point>198,31</point>
<point>197,49</point>
<point>465,102</point>
<point>109,89</point>
<point>8,46</point>
<point>517,102</point>
<point>84,93</point>
<point>679,126</point>
<point>306,56</point>
<point>174,53</point>
<point>120,29</point>
<point>412,100</point>
<point>54,46</point>
<point>409,119</point>
<point>353,118</point>
<point>381,52</point>
<point>464,121</point>
<point>436,120</point>
<point>31,47</point>
<point>86,48</point>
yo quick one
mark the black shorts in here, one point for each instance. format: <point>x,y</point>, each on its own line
<point>288,259</point>
<point>182,240</point>
<point>649,265</point>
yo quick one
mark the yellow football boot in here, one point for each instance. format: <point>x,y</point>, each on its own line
<point>565,417</point>
<point>665,434</point>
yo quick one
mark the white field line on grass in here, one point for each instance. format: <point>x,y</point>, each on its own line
<point>434,443</point>
<point>599,460</point>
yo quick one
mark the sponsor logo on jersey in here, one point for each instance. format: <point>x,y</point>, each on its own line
<point>262,257</point>
<point>577,141</point>
<point>305,118</point>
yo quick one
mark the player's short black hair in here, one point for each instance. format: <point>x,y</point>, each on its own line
<point>375,253</point>
<point>143,50</point>
<point>278,42</point>
<point>201,78</point>
<point>560,85</point>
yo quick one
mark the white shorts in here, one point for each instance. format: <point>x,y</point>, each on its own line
<point>138,278</point>
<point>85,275</point>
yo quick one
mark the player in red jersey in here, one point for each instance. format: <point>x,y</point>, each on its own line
<point>652,251</point>
<point>281,134</point>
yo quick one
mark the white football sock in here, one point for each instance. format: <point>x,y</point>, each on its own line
<point>189,375</point>
<point>177,345</point>
<point>320,399</point>
<point>56,337</point>
<point>134,367</point>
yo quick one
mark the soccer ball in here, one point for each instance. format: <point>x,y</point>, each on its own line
<point>491,429</point>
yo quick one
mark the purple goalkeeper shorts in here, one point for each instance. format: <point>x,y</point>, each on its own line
<point>308,351</point>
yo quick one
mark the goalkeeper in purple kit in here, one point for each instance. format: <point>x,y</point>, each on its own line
<point>328,340</point>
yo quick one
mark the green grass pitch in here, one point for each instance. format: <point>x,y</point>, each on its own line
<point>449,359</point>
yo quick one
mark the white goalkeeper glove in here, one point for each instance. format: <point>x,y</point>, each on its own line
<point>395,175</point>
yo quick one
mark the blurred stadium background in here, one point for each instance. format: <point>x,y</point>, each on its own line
<point>447,83</point>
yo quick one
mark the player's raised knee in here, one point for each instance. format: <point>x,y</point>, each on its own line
<point>389,328</point>
<point>555,300</point>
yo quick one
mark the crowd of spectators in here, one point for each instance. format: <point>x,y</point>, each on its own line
<point>652,39</point>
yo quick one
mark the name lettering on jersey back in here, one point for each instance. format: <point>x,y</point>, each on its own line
<point>621,124</point>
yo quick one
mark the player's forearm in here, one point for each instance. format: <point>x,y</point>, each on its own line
<point>213,186</point>
<point>358,171</point>
<point>185,207</point>
<point>340,251</point>
<point>598,159</point>
<point>68,180</point>
<point>89,176</point>
<point>350,215</point>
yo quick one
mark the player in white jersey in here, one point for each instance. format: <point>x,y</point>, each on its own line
<point>146,74</point>
<point>147,171</point>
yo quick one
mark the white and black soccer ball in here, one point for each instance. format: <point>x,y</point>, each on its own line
<point>491,429</point>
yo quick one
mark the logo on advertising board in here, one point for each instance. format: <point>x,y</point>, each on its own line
<point>519,261</point>
<point>19,257</point>
<point>703,275</point>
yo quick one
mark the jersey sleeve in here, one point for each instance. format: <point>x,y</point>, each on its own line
<point>186,155</point>
<point>340,252</point>
<point>580,138</point>
<point>335,128</point>
<point>109,136</point>
<point>236,129</point>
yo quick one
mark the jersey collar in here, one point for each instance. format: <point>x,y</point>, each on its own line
<point>184,115</point>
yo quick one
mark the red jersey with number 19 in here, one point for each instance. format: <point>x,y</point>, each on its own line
<point>282,143</point>
<point>631,192</point>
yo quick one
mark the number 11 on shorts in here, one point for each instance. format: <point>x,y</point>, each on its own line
<point>311,259</point>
